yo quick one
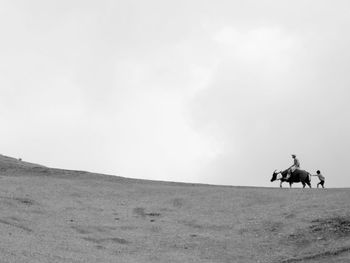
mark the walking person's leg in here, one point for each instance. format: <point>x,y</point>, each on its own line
<point>322,183</point>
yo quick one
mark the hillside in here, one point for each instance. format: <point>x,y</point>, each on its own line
<point>53,215</point>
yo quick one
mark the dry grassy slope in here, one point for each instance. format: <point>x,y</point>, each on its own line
<point>51,215</point>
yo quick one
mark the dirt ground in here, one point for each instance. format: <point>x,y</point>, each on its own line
<point>51,215</point>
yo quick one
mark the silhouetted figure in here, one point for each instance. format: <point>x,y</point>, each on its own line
<point>295,166</point>
<point>321,177</point>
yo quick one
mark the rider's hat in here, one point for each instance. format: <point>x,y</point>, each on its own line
<point>293,155</point>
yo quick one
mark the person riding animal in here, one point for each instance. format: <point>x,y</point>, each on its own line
<point>295,166</point>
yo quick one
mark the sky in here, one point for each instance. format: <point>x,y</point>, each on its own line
<point>219,92</point>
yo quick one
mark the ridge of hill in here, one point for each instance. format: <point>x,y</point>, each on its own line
<point>10,166</point>
<point>13,167</point>
<point>54,215</point>
<point>7,162</point>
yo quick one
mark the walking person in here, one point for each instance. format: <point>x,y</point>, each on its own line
<point>295,166</point>
<point>321,177</point>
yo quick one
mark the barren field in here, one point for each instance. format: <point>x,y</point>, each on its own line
<point>52,215</point>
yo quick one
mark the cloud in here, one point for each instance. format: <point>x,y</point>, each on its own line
<point>242,107</point>
<point>152,126</point>
<point>271,96</point>
<point>156,141</point>
<point>269,48</point>
<point>189,91</point>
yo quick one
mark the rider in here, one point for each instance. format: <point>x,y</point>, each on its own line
<point>295,166</point>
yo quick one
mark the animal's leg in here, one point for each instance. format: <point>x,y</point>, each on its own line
<point>281,184</point>
<point>303,185</point>
<point>309,180</point>
<point>309,184</point>
<point>290,185</point>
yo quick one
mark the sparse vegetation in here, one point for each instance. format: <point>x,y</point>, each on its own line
<point>82,217</point>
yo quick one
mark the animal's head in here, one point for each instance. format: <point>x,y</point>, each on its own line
<point>274,175</point>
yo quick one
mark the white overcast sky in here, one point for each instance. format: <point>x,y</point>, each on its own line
<point>217,92</point>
